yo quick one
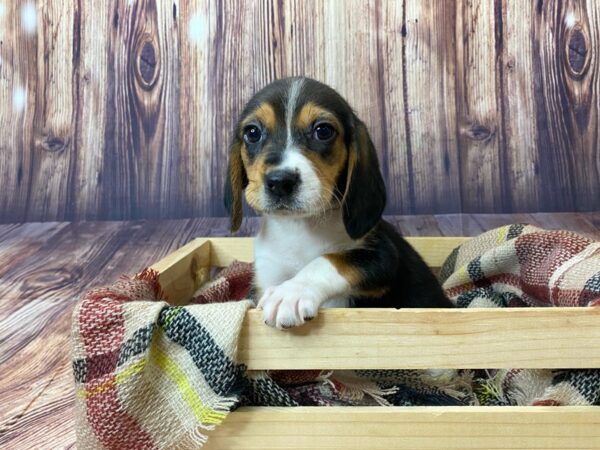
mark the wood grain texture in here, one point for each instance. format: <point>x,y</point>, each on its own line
<point>52,127</point>
<point>521,150</point>
<point>423,428</point>
<point>183,272</point>
<point>89,144</point>
<point>566,102</point>
<point>528,338</point>
<point>479,107</point>
<point>141,166</point>
<point>18,85</point>
<point>45,267</point>
<point>429,58</point>
<point>124,110</point>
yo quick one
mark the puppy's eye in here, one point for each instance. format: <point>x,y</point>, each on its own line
<point>252,134</point>
<point>323,132</point>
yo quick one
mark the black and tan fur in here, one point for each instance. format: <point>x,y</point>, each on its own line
<point>336,184</point>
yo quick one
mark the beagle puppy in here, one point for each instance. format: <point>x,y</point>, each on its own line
<point>306,163</point>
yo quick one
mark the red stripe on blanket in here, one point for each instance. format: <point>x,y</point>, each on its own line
<point>546,403</point>
<point>503,278</point>
<point>113,427</point>
<point>540,254</point>
<point>594,302</point>
<point>102,329</point>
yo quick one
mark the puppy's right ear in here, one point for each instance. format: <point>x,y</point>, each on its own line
<point>235,183</point>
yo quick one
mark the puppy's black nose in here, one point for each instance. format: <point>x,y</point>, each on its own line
<point>281,182</point>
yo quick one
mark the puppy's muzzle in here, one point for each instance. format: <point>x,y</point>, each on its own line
<point>281,184</point>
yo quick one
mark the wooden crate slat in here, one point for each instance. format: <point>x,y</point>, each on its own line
<point>375,339</point>
<point>181,274</point>
<point>433,249</point>
<point>449,428</point>
<point>415,338</point>
<point>184,270</point>
<point>427,338</point>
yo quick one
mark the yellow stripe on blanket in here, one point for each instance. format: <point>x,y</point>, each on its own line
<point>502,234</point>
<point>202,413</point>
<point>118,379</point>
<point>463,277</point>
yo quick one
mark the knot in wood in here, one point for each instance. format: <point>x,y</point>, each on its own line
<point>577,53</point>
<point>50,279</point>
<point>478,132</point>
<point>147,65</point>
<point>53,144</point>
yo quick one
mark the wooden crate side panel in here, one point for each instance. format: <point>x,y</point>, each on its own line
<point>184,271</point>
<point>449,428</point>
<point>433,249</point>
<point>427,338</point>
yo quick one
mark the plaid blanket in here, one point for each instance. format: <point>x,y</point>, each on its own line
<point>522,265</point>
<point>150,375</point>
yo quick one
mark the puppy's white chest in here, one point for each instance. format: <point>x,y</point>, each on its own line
<point>285,245</point>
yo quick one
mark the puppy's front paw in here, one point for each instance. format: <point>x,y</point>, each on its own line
<point>289,304</point>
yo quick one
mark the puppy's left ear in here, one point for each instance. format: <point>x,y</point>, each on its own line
<point>364,198</point>
<point>235,183</point>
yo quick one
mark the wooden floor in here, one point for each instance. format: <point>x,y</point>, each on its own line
<point>45,267</point>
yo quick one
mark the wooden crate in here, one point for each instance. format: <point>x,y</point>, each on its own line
<point>401,339</point>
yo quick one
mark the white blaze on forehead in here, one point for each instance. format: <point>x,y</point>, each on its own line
<point>293,94</point>
<point>293,159</point>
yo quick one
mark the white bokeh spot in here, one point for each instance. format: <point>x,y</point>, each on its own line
<point>198,28</point>
<point>570,19</point>
<point>2,14</point>
<point>19,98</point>
<point>29,18</point>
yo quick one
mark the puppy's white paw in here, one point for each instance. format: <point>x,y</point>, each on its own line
<point>289,304</point>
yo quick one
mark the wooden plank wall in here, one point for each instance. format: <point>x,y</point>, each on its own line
<point>122,109</point>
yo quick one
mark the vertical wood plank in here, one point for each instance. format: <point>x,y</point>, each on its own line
<point>201,38</point>
<point>19,27</point>
<point>514,25</point>
<point>430,104</point>
<point>52,131</point>
<point>479,116</point>
<point>93,80</point>
<point>197,23</point>
<point>118,175</point>
<point>555,158</point>
<point>391,33</point>
<point>575,58</point>
<point>142,146</point>
<point>567,105</point>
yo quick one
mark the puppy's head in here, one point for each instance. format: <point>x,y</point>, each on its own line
<point>299,149</point>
